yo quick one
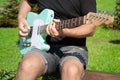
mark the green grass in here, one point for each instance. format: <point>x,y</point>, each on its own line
<point>104,50</point>
<point>9,52</point>
<point>107,5</point>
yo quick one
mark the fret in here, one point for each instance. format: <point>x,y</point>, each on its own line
<point>70,23</point>
<point>67,23</point>
<point>62,24</point>
<point>79,20</point>
<point>73,22</point>
<point>57,26</point>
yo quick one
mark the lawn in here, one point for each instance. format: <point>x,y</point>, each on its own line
<point>107,5</point>
<point>104,50</point>
<point>9,51</point>
<point>104,46</point>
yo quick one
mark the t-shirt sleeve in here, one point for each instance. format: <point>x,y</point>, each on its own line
<point>32,1</point>
<point>88,6</point>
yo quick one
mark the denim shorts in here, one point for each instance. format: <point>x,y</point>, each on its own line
<point>57,54</point>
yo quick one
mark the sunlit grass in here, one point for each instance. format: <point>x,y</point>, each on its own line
<point>106,5</point>
<point>104,50</point>
<point>9,52</point>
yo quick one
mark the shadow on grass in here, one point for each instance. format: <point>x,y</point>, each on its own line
<point>115,41</point>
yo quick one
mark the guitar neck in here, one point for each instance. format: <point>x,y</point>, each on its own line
<point>91,18</point>
<point>70,23</point>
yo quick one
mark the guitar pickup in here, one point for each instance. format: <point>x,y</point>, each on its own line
<point>27,44</point>
<point>42,29</point>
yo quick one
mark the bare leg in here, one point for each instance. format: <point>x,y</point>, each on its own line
<point>31,67</point>
<point>72,69</point>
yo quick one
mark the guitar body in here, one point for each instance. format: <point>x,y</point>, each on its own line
<point>36,40</point>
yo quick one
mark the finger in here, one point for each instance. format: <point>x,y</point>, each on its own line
<point>22,28</point>
<point>54,32</point>
<point>27,25</point>
<point>47,29</point>
<point>50,29</point>
<point>21,34</point>
<point>56,20</point>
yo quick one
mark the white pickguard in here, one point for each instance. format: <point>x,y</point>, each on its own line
<point>36,38</point>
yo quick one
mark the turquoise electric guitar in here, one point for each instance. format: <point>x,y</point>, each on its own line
<point>35,21</point>
<point>38,22</point>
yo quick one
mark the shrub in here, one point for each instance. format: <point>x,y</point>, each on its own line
<point>7,75</point>
<point>117,16</point>
<point>8,14</point>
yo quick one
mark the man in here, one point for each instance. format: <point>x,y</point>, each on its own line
<point>68,53</point>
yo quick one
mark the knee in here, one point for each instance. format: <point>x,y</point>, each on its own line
<point>72,67</point>
<point>25,65</point>
<point>31,63</point>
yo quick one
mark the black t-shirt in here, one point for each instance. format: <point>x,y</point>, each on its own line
<point>67,9</point>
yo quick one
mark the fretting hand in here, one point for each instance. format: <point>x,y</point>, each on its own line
<point>51,29</point>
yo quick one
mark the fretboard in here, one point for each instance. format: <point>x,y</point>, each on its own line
<point>70,23</point>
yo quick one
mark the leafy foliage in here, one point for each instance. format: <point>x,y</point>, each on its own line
<point>117,15</point>
<point>9,14</point>
<point>7,75</point>
<point>11,75</point>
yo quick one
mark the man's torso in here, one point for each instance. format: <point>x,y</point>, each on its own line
<point>67,9</point>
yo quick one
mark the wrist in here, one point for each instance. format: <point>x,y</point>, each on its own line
<point>21,16</point>
<point>65,32</point>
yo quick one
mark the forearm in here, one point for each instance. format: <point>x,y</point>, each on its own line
<point>80,32</point>
<point>24,9</point>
